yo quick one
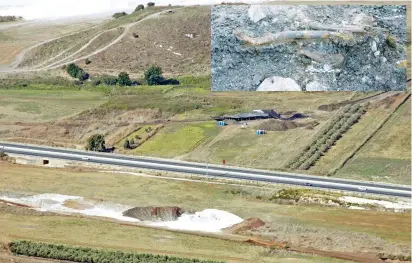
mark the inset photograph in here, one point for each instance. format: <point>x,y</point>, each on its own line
<point>309,47</point>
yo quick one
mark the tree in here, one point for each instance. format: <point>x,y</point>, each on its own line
<point>124,79</point>
<point>126,144</point>
<point>153,75</point>
<point>96,143</point>
<point>139,7</point>
<point>150,4</point>
<point>108,80</point>
<point>119,15</point>
<point>72,69</point>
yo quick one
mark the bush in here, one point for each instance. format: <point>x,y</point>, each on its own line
<point>126,144</point>
<point>89,255</point>
<point>82,75</point>
<point>153,75</point>
<point>139,7</point>
<point>119,15</point>
<point>124,79</point>
<point>72,69</point>
<point>108,80</point>
<point>150,4</point>
<point>96,143</point>
<point>87,61</point>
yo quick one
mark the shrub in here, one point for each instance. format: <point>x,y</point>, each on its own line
<point>153,75</point>
<point>119,15</point>
<point>123,79</point>
<point>108,80</point>
<point>150,4</point>
<point>80,254</point>
<point>139,7</point>
<point>72,69</point>
<point>126,144</point>
<point>96,143</point>
<point>82,75</point>
<point>87,61</point>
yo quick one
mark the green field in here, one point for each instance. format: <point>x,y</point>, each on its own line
<point>177,139</point>
<point>37,105</point>
<point>387,156</point>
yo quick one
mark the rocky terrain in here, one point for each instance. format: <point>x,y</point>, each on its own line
<point>313,48</point>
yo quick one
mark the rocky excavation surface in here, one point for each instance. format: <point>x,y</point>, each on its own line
<point>312,48</point>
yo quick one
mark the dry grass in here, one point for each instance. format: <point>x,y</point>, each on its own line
<point>9,51</point>
<point>137,54</point>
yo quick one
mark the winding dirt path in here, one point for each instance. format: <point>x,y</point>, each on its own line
<point>13,66</point>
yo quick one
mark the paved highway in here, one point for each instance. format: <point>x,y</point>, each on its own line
<point>209,170</point>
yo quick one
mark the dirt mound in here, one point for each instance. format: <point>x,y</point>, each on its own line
<point>247,224</point>
<point>152,213</point>
<point>278,125</point>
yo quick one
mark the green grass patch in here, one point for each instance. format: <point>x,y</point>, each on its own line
<point>378,169</point>
<point>42,102</point>
<point>177,139</point>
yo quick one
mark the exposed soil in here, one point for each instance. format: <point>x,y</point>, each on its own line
<point>279,125</point>
<point>247,224</point>
<point>152,213</point>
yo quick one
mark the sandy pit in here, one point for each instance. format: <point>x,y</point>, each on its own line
<point>208,220</point>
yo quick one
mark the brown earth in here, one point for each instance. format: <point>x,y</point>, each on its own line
<point>152,213</point>
<point>247,224</point>
<point>279,125</point>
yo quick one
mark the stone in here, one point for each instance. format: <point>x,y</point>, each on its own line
<point>374,46</point>
<point>315,86</point>
<point>383,59</point>
<point>277,83</point>
<point>377,53</point>
<point>259,12</point>
<point>327,67</point>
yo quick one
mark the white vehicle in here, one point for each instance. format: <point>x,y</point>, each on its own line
<point>85,158</point>
<point>362,188</point>
<point>1,147</point>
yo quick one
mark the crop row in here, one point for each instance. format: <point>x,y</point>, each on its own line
<point>90,255</point>
<point>327,137</point>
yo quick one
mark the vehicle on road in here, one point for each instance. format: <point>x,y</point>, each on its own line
<point>308,184</point>
<point>85,158</point>
<point>1,147</point>
<point>362,188</point>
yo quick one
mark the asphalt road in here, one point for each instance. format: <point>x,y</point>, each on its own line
<point>208,170</point>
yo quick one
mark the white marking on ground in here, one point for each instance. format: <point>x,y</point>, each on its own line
<point>385,204</point>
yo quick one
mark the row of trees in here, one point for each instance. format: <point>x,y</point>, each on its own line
<point>331,133</point>
<point>137,9</point>
<point>89,255</point>
<point>153,76</point>
<point>10,18</point>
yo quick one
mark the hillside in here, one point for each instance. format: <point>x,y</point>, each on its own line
<point>176,38</point>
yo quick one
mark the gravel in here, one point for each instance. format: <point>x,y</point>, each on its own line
<point>369,60</point>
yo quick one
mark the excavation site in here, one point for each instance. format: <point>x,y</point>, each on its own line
<point>308,47</point>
